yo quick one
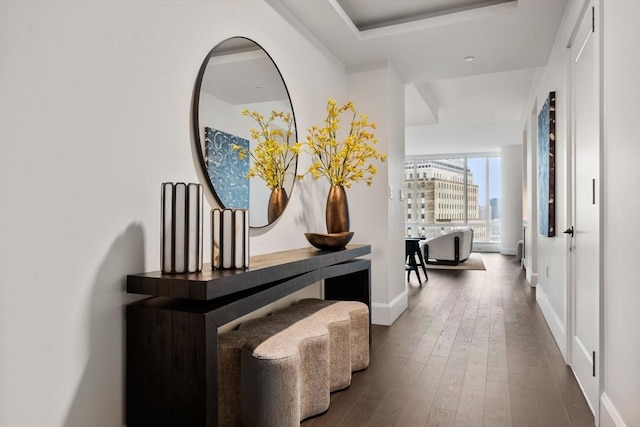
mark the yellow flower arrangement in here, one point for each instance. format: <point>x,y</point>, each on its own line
<point>343,162</point>
<point>274,153</point>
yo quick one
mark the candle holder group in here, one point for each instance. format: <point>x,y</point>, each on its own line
<point>181,235</point>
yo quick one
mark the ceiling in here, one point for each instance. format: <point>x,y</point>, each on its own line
<point>426,42</point>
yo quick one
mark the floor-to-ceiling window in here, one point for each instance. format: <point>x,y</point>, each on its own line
<point>453,192</point>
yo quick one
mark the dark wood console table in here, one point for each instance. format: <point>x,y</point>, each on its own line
<point>172,366</point>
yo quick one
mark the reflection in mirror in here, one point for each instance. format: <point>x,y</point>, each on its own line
<point>237,75</point>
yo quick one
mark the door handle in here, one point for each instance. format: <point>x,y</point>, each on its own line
<point>569,231</point>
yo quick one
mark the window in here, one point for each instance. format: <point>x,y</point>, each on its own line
<point>466,194</point>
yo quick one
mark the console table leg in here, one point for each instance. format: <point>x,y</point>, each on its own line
<point>172,366</point>
<point>355,286</point>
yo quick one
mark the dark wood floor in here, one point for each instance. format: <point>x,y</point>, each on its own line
<point>473,349</point>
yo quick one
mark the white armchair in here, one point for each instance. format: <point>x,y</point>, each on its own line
<point>451,248</point>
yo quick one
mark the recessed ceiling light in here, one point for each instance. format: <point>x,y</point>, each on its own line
<point>469,59</point>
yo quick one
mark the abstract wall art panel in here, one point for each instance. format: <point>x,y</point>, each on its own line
<point>227,172</point>
<point>547,167</point>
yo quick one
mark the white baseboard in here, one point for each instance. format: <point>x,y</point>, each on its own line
<point>555,322</point>
<point>386,314</point>
<point>532,278</point>
<point>508,251</point>
<point>488,247</point>
<point>609,416</point>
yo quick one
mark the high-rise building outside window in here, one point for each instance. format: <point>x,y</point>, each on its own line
<point>455,193</point>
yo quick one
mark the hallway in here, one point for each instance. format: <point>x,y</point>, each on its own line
<point>473,349</point>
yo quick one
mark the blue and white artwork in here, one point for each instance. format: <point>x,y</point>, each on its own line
<point>546,167</point>
<point>227,172</point>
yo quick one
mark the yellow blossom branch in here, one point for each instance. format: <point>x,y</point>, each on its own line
<point>274,153</point>
<point>343,162</point>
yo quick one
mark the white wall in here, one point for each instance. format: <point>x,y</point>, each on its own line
<point>531,230</point>
<point>621,134</point>
<point>511,200</point>
<point>94,115</point>
<point>620,90</point>
<point>379,93</point>
<point>551,252</point>
<point>398,296</point>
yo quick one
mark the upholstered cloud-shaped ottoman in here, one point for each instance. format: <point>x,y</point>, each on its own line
<point>278,370</point>
<point>273,371</point>
<point>348,324</point>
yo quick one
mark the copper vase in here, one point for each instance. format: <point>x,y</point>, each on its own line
<point>277,202</point>
<point>337,214</point>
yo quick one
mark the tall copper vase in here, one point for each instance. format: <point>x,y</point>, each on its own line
<point>277,202</point>
<point>337,210</point>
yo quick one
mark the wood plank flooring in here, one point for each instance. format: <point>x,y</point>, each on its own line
<point>473,349</point>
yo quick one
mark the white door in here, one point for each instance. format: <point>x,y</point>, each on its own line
<point>585,245</point>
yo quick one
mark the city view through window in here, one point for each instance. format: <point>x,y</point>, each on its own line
<point>445,194</point>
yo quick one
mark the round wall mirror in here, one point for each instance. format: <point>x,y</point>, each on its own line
<point>239,75</point>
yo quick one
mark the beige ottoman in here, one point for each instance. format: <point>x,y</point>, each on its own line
<point>273,371</point>
<point>349,347</point>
